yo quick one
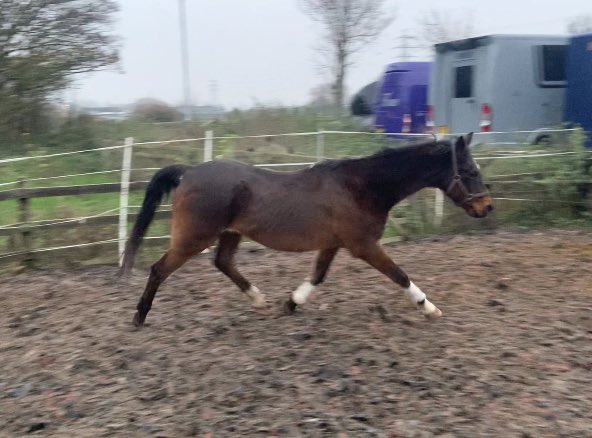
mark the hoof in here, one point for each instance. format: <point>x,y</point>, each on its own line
<point>257,299</point>
<point>260,304</point>
<point>289,307</point>
<point>433,315</point>
<point>138,321</point>
<point>262,309</point>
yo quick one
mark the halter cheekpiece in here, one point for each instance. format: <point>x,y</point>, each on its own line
<point>456,182</point>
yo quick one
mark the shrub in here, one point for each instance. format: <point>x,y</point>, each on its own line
<point>155,111</point>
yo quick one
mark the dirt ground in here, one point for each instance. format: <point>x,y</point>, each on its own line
<point>512,356</point>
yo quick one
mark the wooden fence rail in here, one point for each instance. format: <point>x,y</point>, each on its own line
<point>69,223</point>
<point>45,192</point>
<point>26,230</point>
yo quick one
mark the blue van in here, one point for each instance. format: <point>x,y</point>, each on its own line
<point>401,98</point>
<point>578,99</point>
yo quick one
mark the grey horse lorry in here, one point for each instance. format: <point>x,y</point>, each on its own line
<point>500,83</point>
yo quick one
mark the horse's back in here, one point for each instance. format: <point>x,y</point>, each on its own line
<point>223,189</point>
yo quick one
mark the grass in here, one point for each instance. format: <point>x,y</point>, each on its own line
<point>256,151</point>
<point>548,180</point>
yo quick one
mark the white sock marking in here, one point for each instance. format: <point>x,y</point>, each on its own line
<point>300,295</point>
<point>257,298</point>
<point>414,294</point>
<point>417,296</point>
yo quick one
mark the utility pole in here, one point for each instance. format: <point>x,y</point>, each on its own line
<point>185,61</point>
<point>213,93</point>
<point>407,41</point>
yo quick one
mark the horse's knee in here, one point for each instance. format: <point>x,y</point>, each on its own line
<point>367,251</point>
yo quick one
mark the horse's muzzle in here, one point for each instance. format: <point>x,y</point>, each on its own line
<point>479,207</point>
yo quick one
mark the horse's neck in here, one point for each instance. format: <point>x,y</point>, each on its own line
<point>395,178</point>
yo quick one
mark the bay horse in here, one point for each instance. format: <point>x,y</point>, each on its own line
<point>331,205</point>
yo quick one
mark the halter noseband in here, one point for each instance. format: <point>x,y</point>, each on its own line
<point>456,182</point>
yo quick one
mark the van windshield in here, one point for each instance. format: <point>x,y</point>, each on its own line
<point>391,90</point>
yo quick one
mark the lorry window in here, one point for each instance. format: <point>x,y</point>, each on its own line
<point>552,65</point>
<point>463,83</point>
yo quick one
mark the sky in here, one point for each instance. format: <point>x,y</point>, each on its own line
<point>262,52</point>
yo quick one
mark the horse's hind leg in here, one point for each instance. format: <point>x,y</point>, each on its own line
<point>322,264</point>
<point>172,260</point>
<point>224,260</point>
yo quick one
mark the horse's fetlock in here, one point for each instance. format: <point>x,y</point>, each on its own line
<point>289,307</point>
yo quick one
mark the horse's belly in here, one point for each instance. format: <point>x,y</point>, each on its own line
<point>287,236</point>
<point>286,223</point>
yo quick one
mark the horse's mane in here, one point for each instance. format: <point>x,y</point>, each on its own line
<point>387,153</point>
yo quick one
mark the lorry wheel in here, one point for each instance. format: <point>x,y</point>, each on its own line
<point>543,139</point>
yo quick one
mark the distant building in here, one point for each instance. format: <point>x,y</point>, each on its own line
<point>106,112</point>
<point>202,111</point>
<point>122,112</point>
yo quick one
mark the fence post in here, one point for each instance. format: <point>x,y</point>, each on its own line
<point>320,145</point>
<point>438,207</point>
<point>24,218</point>
<point>208,155</point>
<point>209,146</point>
<point>126,166</point>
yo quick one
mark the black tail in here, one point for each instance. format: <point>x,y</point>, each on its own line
<point>165,180</point>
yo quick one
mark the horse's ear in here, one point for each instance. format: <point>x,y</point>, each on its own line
<point>464,140</point>
<point>468,138</point>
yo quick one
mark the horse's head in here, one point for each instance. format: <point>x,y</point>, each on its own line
<point>465,185</point>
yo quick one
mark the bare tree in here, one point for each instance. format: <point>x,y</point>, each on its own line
<point>436,26</point>
<point>349,26</point>
<point>579,24</point>
<point>321,97</point>
<point>43,44</point>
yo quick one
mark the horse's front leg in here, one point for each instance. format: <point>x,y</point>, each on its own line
<point>374,255</point>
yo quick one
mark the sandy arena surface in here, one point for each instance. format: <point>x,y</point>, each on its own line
<point>512,356</point>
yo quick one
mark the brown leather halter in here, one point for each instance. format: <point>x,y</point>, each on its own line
<point>456,183</point>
